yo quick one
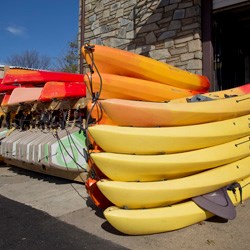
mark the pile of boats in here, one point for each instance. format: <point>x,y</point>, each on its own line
<point>166,154</point>
<point>156,150</point>
<point>42,119</point>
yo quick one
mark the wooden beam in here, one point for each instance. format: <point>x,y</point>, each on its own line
<point>207,45</point>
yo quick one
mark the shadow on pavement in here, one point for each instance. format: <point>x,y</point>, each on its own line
<point>23,227</point>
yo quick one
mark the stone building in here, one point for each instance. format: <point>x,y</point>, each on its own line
<point>202,36</point>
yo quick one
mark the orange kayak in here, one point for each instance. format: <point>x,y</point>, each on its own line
<point>151,114</point>
<point>98,115</point>
<point>122,87</point>
<point>119,62</point>
<point>6,98</point>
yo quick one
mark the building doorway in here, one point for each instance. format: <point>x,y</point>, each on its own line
<point>231,47</point>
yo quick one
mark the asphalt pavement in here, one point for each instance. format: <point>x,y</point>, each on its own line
<point>44,212</point>
<point>23,227</point>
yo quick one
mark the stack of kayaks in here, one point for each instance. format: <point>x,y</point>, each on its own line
<point>161,159</point>
<point>43,127</point>
<point>116,62</point>
<point>158,82</point>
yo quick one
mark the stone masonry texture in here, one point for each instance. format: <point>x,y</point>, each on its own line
<point>166,30</point>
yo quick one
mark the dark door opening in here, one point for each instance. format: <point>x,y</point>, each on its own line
<point>232,47</point>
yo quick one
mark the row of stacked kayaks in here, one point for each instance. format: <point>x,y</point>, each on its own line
<point>157,143</point>
<point>164,162</point>
<point>42,118</point>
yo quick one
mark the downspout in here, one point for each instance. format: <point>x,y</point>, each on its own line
<point>81,33</point>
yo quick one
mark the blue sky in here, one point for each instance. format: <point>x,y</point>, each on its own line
<point>46,26</point>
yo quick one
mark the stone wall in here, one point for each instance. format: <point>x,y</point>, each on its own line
<point>166,30</point>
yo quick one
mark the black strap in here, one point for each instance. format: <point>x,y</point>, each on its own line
<point>8,120</point>
<point>199,98</point>
<point>232,187</point>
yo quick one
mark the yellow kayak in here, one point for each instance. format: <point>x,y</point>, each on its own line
<point>124,167</point>
<point>226,93</point>
<point>148,114</point>
<point>133,195</point>
<point>134,140</point>
<point>119,62</point>
<point>164,219</point>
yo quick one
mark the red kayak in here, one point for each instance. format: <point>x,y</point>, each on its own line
<point>4,88</point>
<point>38,76</point>
<point>62,90</point>
<point>5,92</point>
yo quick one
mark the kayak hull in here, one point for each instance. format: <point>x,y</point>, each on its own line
<point>137,140</point>
<point>135,195</point>
<point>125,167</point>
<point>148,114</point>
<point>158,220</point>
<point>119,62</point>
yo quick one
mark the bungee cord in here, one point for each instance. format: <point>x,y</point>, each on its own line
<point>61,144</point>
<point>89,51</point>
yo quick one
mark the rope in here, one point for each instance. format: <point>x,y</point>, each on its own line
<point>60,142</point>
<point>89,51</point>
<point>95,95</point>
<point>70,136</point>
